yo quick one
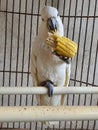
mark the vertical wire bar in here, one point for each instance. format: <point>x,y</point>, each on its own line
<point>68,18</point>
<point>84,105</point>
<point>87,125</point>
<point>95,63</point>
<point>25,125</point>
<point>76,2</point>
<point>90,105</point>
<point>74,19</point>
<point>17,57</point>
<point>23,50</point>
<point>5,44</point>
<point>4,51</point>
<point>36,125</point>
<point>66,104</point>
<point>38,17</point>
<point>94,125</point>
<point>24,42</point>
<point>6,17</point>
<point>84,44</point>
<point>72,105</point>
<point>92,35</point>
<point>77,56</point>
<point>17,54</point>
<point>63,10</point>
<point>32,5</point>
<point>85,96</point>
<point>26,102</point>
<point>30,42</point>
<point>45,2</point>
<point>42,126</point>
<point>59,124</point>
<point>11,46</point>
<point>67,36</point>
<point>58,5</point>
<point>52,3</point>
<point>93,80</point>
<point>32,102</point>
<point>53,127</point>
<point>83,121</point>
<point>78,105</point>
<point>30,126</point>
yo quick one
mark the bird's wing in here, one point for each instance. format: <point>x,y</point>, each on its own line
<point>33,68</point>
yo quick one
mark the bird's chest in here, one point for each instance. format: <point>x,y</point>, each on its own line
<point>50,67</point>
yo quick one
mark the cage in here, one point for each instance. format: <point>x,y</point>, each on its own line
<point>19,24</point>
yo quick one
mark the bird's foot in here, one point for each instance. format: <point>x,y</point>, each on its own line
<point>64,58</point>
<point>49,85</point>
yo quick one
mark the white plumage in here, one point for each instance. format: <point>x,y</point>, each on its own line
<point>45,65</point>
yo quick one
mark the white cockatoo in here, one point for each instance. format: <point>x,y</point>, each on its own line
<point>48,69</point>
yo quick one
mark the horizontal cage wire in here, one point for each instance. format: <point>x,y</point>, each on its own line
<point>19,24</point>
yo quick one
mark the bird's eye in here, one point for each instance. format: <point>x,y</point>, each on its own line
<point>43,19</point>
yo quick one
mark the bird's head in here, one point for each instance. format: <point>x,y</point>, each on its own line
<point>51,20</point>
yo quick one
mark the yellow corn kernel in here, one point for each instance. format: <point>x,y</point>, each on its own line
<point>62,45</point>
<point>64,48</point>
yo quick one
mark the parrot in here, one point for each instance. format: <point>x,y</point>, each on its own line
<point>49,69</point>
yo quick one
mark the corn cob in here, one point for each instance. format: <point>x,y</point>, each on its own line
<point>62,45</point>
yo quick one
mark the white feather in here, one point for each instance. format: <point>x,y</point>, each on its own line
<point>45,65</point>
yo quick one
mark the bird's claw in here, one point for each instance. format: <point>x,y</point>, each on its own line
<point>64,58</point>
<point>49,85</point>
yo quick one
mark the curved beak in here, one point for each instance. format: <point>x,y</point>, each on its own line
<point>52,24</point>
